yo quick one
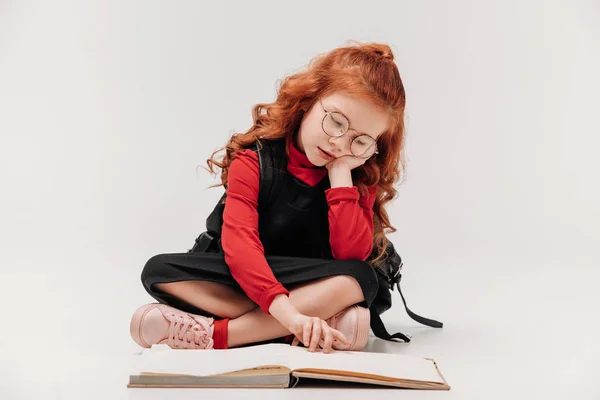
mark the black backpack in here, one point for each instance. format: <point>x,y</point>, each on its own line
<point>388,269</point>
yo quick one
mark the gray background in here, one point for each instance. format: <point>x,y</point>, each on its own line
<point>107,108</point>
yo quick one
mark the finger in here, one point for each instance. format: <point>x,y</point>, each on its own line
<point>295,341</point>
<point>316,334</point>
<point>340,337</point>
<point>325,330</point>
<point>306,334</point>
<point>322,345</point>
<point>327,338</point>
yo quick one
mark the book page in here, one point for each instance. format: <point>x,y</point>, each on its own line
<point>163,359</point>
<point>396,366</point>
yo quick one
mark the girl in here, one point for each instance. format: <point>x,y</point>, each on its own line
<point>294,264</point>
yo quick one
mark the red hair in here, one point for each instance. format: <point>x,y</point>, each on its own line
<point>363,70</point>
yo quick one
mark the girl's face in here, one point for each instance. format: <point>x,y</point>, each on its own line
<point>363,116</point>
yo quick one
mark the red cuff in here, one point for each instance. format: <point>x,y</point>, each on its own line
<point>269,294</point>
<point>341,193</point>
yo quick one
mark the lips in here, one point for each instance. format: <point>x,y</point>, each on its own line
<point>325,154</point>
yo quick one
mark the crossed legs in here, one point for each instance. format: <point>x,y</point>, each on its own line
<point>321,298</point>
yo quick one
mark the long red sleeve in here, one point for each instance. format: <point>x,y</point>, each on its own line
<point>350,222</point>
<point>244,252</point>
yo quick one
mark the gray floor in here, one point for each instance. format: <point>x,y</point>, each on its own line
<point>524,333</point>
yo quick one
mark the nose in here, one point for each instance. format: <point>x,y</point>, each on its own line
<point>339,145</point>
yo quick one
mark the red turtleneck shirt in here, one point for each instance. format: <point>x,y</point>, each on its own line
<point>350,223</point>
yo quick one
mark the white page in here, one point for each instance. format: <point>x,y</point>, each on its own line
<point>383,364</point>
<point>163,359</point>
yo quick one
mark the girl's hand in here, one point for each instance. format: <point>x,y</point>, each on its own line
<point>349,162</point>
<point>313,332</point>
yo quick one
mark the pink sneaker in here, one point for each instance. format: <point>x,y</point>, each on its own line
<point>354,322</point>
<point>158,323</point>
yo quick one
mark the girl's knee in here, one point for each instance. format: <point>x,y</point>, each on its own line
<point>363,275</point>
<point>152,269</point>
<point>347,288</point>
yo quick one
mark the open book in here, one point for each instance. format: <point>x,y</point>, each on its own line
<point>280,366</point>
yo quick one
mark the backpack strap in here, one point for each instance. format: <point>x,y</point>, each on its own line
<point>271,162</point>
<point>422,320</point>
<point>265,162</point>
<point>379,328</point>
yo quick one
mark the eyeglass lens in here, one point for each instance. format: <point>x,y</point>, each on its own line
<point>335,124</point>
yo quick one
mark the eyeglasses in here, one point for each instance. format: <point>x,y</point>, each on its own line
<point>335,124</point>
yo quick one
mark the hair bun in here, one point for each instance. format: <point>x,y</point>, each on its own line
<point>385,54</point>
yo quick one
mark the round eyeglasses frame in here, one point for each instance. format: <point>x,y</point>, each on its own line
<point>328,113</point>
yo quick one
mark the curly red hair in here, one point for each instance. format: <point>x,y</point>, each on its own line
<point>364,70</point>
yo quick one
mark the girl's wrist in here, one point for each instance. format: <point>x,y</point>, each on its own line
<point>282,309</point>
<point>340,176</point>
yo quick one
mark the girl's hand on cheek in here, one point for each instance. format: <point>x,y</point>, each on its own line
<point>349,162</point>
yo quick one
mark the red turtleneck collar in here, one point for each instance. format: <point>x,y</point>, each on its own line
<point>300,166</point>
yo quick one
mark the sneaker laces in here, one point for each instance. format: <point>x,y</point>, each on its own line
<point>187,333</point>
